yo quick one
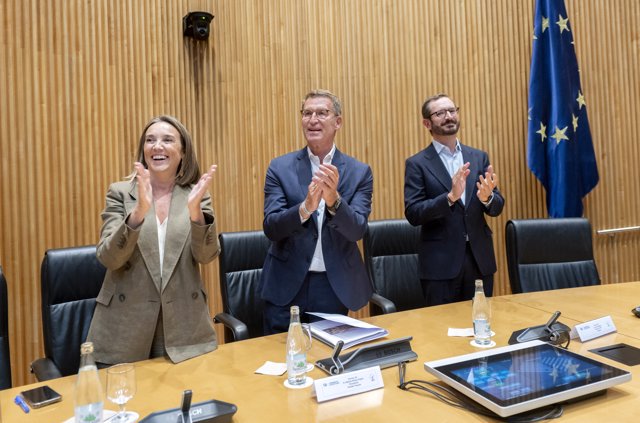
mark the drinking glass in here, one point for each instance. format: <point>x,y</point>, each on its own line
<point>306,330</point>
<point>121,386</point>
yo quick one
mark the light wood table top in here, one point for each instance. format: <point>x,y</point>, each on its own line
<point>227,373</point>
<point>589,303</point>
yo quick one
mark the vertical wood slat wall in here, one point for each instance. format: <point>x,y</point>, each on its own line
<point>79,79</point>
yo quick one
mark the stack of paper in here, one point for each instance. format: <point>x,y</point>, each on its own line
<point>336,327</point>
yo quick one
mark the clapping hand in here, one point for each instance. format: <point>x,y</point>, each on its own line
<point>486,184</point>
<point>327,177</point>
<point>314,195</point>
<point>458,182</point>
<point>197,193</point>
<point>145,196</point>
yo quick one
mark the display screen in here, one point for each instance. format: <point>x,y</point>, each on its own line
<point>513,377</point>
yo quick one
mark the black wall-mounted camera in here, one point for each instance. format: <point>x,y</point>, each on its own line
<point>196,25</point>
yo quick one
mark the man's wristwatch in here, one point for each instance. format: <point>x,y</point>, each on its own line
<point>333,209</point>
<point>451,203</point>
<point>486,203</point>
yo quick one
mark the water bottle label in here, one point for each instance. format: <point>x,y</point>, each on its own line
<point>296,368</point>
<point>481,328</point>
<point>89,413</point>
<point>298,362</point>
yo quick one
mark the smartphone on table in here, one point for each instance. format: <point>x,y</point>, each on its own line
<point>41,396</point>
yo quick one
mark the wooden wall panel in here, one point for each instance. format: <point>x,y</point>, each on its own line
<point>608,51</point>
<point>79,79</point>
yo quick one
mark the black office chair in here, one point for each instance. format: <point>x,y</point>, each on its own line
<point>71,279</point>
<point>5,359</point>
<point>545,254</point>
<point>391,258</point>
<point>241,262</point>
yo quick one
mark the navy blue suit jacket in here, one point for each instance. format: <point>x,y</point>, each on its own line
<point>444,229</point>
<point>293,242</point>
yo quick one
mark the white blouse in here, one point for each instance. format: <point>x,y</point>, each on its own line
<point>162,235</point>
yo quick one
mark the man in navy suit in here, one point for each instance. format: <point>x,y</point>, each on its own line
<point>316,204</point>
<point>448,190</point>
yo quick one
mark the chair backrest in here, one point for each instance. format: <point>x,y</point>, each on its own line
<point>241,261</point>
<point>71,279</point>
<point>5,360</point>
<point>545,254</point>
<point>391,257</point>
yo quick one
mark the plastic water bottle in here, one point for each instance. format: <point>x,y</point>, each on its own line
<point>296,350</point>
<point>481,316</point>
<point>88,398</point>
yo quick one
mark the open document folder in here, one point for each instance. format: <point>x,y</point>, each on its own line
<point>336,327</point>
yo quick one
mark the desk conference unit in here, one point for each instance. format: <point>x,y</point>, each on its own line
<point>227,374</point>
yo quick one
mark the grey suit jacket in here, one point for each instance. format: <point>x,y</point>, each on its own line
<point>133,292</point>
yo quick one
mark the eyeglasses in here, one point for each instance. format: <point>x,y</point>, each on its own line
<point>321,114</point>
<point>442,113</point>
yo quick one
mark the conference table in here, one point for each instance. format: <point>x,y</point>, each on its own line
<point>227,374</point>
<point>589,303</point>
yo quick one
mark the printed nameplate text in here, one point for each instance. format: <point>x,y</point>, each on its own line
<point>349,383</point>
<point>594,328</point>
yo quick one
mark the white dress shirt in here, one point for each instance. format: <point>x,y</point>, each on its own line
<point>317,262</point>
<point>452,161</point>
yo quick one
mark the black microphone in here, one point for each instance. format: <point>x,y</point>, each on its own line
<point>186,406</point>
<point>552,321</point>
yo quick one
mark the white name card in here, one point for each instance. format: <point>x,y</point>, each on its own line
<point>594,328</point>
<point>350,383</point>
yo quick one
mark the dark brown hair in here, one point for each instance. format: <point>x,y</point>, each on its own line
<point>426,107</point>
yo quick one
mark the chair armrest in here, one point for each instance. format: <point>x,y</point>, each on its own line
<point>381,305</point>
<point>45,369</point>
<point>240,330</point>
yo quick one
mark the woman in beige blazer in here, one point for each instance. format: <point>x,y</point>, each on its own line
<point>156,229</point>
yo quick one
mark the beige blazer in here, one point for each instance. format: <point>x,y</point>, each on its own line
<point>133,292</point>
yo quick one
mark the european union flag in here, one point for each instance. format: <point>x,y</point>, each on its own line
<point>560,151</point>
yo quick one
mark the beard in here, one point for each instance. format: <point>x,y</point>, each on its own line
<point>445,128</point>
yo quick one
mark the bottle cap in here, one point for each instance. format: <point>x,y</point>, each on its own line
<point>295,309</point>
<point>86,348</point>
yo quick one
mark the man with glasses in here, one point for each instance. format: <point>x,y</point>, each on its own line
<point>316,204</point>
<point>448,190</point>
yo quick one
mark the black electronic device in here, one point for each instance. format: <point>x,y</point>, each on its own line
<point>211,411</point>
<point>196,25</point>
<point>383,354</point>
<point>40,396</point>
<point>553,332</point>
<point>636,311</point>
<point>622,353</point>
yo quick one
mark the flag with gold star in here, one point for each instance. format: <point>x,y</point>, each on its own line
<point>560,150</point>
